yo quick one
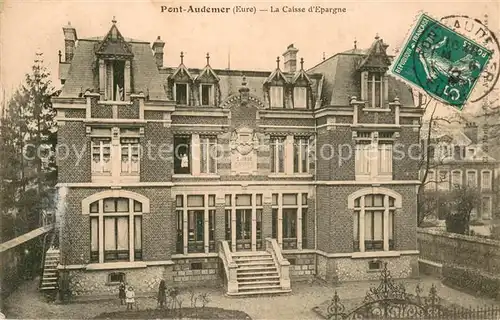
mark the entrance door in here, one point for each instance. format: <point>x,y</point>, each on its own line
<point>243,229</point>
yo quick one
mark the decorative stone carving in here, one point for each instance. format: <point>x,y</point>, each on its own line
<point>243,145</point>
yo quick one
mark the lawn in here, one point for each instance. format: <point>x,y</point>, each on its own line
<point>183,313</point>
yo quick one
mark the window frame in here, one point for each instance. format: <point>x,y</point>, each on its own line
<point>305,97</point>
<point>275,144</point>
<point>301,155</point>
<point>211,95</point>
<point>475,182</point>
<point>177,102</point>
<point>371,86</point>
<point>274,92</point>
<point>489,187</point>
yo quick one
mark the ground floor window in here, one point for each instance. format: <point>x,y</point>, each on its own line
<point>289,223</point>
<point>115,230</point>
<point>373,223</point>
<point>195,219</point>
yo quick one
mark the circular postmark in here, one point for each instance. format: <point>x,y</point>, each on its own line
<point>456,60</point>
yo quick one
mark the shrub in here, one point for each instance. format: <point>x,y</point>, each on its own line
<point>472,280</point>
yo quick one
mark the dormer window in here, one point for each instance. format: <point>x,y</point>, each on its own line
<point>206,94</point>
<point>276,96</point>
<point>181,93</point>
<point>115,80</point>
<point>375,97</point>
<point>300,97</point>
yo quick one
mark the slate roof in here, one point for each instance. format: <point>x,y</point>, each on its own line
<point>343,80</point>
<point>83,73</point>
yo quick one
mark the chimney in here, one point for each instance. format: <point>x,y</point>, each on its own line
<point>158,51</point>
<point>471,131</point>
<point>70,38</point>
<point>290,57</point>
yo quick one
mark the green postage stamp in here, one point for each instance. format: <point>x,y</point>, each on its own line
<point>441,62</point>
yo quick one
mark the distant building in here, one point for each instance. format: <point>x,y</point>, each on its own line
<point>459,158</point>
<point>149,200</point>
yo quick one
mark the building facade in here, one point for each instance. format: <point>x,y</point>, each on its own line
<point>460,158</point>
<point>177,173</point>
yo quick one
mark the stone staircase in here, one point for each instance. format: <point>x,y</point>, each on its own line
<point>50,274</point>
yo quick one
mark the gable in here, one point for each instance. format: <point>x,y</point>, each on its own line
<point>182,74</point>
<point>207,75</point>
<point>114,45</point>
<point>376,58</point>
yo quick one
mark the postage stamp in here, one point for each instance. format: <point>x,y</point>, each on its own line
<point>441,62</point>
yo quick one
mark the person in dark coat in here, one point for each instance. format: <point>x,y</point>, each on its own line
<point>162,297</point>
<point>121,293</point>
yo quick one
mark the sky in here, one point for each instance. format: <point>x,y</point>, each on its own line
<point>252,41</point>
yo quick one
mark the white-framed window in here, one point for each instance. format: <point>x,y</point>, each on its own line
<point>373,158</point>
<point>277,150</point>
<point>300,97</point>
<point>486,180</point>
<point>301,155</point>
<point>363,159</point>
<point>181,93</point>
<point>195,223</point>
<point>374,223</point>
<point>101,155</point>
<point>456,178</point>
<point>208,154</point>
<point>375,92</point>
<point>119,221</point>
<point>430,182</point>
<point>276,96</point>
<point>471,152</point>
<point>486,207</point>
<point>129,149</point>
<point>207,94</point>
<point>472,178</point>
<point>289,210</point>
<point>443,182</point>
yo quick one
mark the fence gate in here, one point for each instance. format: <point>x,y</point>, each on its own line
<point>391,301</point>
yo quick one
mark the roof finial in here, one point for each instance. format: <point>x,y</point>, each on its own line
<point>114,20</point>
<point>324,56</point>
<point>208,59</point>
<point>301,63</point>
<point>355,43</point>
<point>376,36</point>
<point>182,57</point>
<point>277,62</point>
<point>486,20</point>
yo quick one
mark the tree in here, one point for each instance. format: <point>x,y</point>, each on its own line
<point>28,140</point>
<point>462,202</point>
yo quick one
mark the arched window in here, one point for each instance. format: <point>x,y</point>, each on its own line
<point>115,229</point>
<point>374,219</point>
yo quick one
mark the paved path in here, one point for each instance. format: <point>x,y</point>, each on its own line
<point>27,303</point>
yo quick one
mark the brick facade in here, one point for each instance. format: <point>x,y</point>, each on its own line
<point>328,177</point>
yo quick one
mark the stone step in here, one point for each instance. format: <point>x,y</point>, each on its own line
<point>47,278</point>
<point>258,282</point>
<point>48,288</point>
<point>247,257</point>
<point>255,268</point>
<point>255,263</point>
<point>259,287</point>
<point>260,292</point>
<point>250,253</point>
<point>251,277</point>
<point>256,274</point>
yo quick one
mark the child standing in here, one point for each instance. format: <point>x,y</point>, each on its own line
<point>130,298</point>
<point>162,297</point>
<point>121,293</point>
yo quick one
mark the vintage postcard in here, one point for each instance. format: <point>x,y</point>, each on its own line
<point>250,160</point>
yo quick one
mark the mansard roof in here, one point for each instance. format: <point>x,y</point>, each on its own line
<point>114,45</point>
<point>82,74</point>
<point>342,78</point>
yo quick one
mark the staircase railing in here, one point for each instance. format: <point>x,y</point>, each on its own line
<point>230,267</point>
<point>283,265</point>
